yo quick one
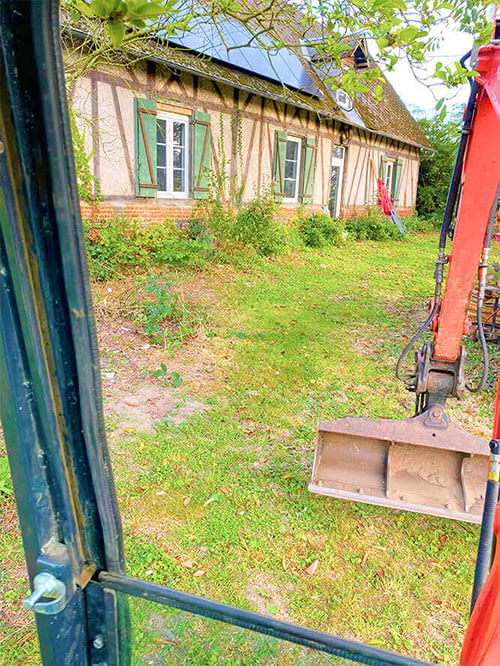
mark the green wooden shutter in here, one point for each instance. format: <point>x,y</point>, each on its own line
<point>279,165</point>
<point>145,148</point>
<point>309,163</point>
<point>397,181</point>
<point>383,163</point>
<point>201,155</point>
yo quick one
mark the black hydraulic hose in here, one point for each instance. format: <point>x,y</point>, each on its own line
<point>463,60</point>
<point>457,170</point>
<point>485,548</point>
<point>445,226</point>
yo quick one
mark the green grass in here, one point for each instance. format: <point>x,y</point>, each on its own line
<point>307,335</point>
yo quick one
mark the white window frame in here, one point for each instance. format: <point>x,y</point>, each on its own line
<point>169,192</point>
<point>389,176</point>
<point>295,198</point>
<point>339,162</point>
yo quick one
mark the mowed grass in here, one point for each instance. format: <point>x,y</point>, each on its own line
<point>219,505</point>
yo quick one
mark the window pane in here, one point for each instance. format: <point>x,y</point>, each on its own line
<point>178,161</point>
<point>179,133</point>
<point>161,155</point>
<point>290,189</point>
<point>290,169</point>
<point>291,150</point>
<point>178,180</point>
<point>161,131</point>
<point>338,152</point>
<point>162,179</point>
<point>334,190</point>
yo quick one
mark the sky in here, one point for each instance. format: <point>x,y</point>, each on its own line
<point>415,95</point>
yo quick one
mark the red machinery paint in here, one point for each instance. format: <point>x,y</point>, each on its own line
<point>480,180</point>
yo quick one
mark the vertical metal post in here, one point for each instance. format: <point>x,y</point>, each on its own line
<point>49,369</point>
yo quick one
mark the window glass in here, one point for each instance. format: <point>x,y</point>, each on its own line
<point>338,152</point>
<point>172,155</point>
<point>291,168</point>
<point>389,171</point>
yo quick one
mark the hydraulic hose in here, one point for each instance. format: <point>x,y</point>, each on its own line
<point>446,224</point>
<point>485,547</point>
<point>457,170</point>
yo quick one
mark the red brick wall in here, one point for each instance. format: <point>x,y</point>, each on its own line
<point>138,210</point>
<point>152,211</point>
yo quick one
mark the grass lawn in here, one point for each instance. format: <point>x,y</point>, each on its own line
<point>218,504</point>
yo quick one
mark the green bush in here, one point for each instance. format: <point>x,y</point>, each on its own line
<point>119,244</point>
<point>256,227</point>
<point>320,229</point>
<point>421,224</point>
<point>373,226</point>
<point>216,220</point>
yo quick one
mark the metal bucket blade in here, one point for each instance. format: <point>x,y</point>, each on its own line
<point>424,464</point>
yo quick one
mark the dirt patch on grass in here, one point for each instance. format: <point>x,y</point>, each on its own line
<point>267,598</point>
<point>134,399</point>
<point>144,405</point>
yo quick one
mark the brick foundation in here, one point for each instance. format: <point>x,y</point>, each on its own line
<point>137,210</point>
<point>155,211</point>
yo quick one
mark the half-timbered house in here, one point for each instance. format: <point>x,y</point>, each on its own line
<point>163,129</point>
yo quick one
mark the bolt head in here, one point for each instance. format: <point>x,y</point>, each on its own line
<point>98,642</point>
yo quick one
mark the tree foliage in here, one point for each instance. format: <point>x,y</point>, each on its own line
<point>436,168</point>
<point>397,29</point>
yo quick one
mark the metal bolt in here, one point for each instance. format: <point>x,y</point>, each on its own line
<point>48,586</point>
<point>403,498</point>
<point>98,642</point>
<point>360,491</point>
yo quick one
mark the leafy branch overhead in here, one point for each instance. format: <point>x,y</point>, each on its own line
<point>327,30</point>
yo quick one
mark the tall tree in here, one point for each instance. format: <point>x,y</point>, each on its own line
<point>436,167</point>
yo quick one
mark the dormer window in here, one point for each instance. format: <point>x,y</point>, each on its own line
<point>343,100</point>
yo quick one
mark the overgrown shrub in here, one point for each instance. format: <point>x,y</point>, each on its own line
<point>252,227</point>
<point>320,229</point>
<point>120,244</point>
<point>373,226</point>
<point>421,223</point>
<point>255,226</point>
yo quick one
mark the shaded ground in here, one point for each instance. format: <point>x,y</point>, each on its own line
<point>212,473</point>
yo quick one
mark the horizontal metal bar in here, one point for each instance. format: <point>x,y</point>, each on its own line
<point>315,640</point>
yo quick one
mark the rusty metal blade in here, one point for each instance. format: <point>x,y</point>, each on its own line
<point>424,464</point>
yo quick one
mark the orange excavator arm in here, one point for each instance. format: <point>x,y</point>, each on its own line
<point>472,235</point>
<point>481,176</point>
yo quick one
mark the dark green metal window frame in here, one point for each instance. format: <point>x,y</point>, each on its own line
<point>51,407</point>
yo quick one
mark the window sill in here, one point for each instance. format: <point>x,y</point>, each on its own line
<point>172,195</point>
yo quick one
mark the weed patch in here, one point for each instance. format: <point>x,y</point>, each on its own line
<point>163,316</point>
<point>320,230</point>
<point>373,226</point>
<point>119,245</point>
